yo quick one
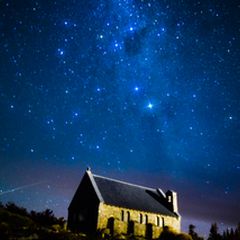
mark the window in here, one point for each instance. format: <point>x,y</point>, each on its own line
<point>146,219</point>
<point>157,220</point>
<point>128,216</point>
<point>162,222</point>
<point>141,218</point>
<point>122,215</point>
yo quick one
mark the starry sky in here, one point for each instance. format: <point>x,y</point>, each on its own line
<point>145,91</point>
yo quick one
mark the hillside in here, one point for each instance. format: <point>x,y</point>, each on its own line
<point>17,223</point>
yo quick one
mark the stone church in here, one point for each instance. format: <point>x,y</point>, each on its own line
<point>120,208</point>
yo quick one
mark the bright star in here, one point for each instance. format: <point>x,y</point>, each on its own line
<point>60,51</point>
<point>150,106</point>
<point>136,89</point>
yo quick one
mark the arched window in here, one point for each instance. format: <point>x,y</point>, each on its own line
<point>128,216</point>
<point>122,215</point>
<point>110,225</point>
<point>146,219</point>
<point>162,222</point>
<point>140,218</point>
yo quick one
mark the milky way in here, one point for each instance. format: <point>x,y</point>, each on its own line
<point>143,91</point>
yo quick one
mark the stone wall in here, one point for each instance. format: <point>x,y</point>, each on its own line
<point>121,221</point>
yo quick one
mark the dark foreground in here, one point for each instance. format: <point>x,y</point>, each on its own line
<point>16,223</point>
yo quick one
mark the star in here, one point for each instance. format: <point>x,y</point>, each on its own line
<point>150,105</point>
<point>136,89</point>
<point>60,52</point>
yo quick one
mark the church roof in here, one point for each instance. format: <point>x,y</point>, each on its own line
<point>131,196</point>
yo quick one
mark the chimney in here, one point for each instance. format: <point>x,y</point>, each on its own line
<point>171,198</point>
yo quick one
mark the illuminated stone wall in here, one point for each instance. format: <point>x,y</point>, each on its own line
<point>139,226</point>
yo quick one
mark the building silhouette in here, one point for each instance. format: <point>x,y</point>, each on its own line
<point>116,207</point>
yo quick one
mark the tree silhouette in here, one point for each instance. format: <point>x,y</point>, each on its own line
<point>214,235</point>
<point>231,234</point>
<point>192,233</point>
<point>12,207</point>
<point>46,218</point>
<point>238,231</point>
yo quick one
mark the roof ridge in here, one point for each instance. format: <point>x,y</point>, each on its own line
<point>123,182</point>
<point>95,186</point>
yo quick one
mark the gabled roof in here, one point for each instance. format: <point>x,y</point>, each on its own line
<point>127,195</point>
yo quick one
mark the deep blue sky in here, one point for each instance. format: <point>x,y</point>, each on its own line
<point>142,91</point>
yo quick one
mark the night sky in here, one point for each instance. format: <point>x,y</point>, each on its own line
<point>142,91</point>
